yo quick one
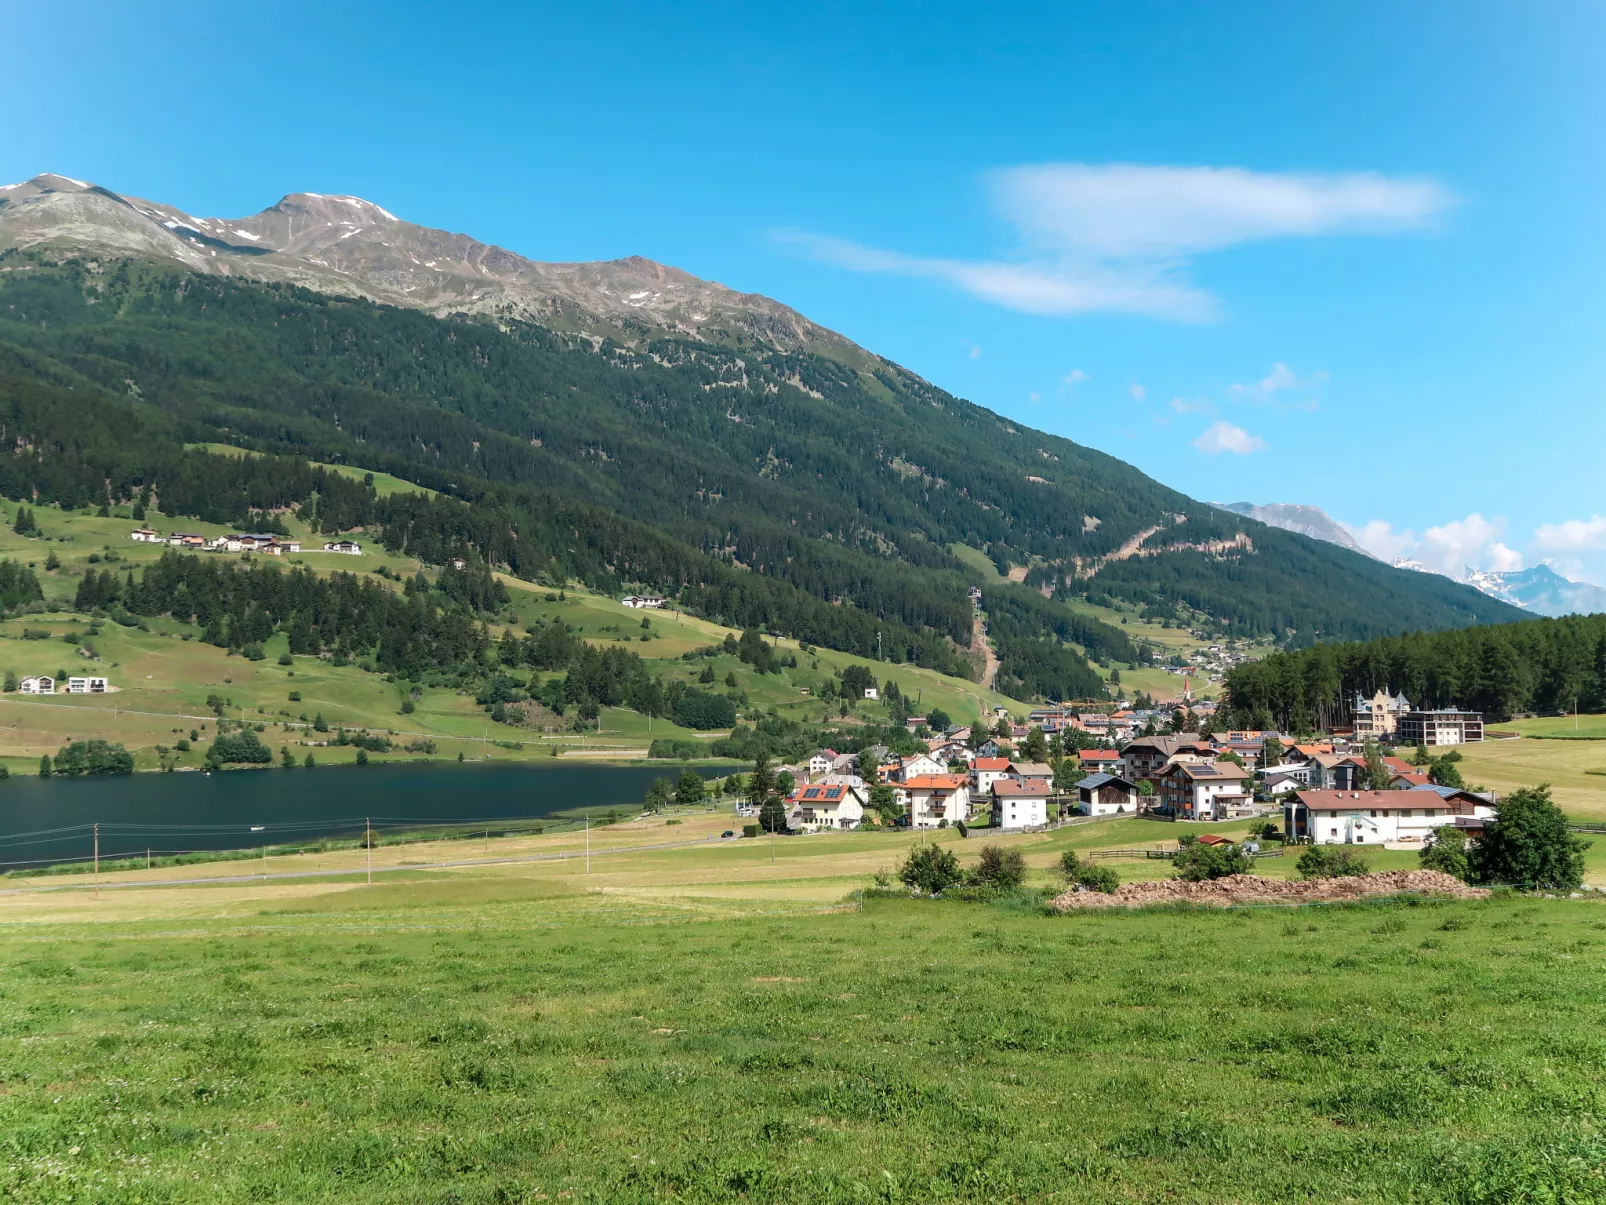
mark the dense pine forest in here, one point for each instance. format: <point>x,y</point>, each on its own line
<point>1544,666</point>
<point>780,491</point>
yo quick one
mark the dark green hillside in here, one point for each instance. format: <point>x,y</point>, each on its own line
<point>842,485</point>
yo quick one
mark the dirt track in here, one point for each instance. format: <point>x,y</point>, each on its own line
<point>1255,889</point>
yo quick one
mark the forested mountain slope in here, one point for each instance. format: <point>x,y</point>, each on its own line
<point>1547,666</point>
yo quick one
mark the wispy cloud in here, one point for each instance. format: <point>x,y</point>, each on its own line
<point>1221,437</point>
<point>1137,392</point>
<point>1182,405</point>
<point>1073,378</point>
<point>1118,237</point>
<point>1572,535</point>
<point>1281,379</point>
<point>1449,548</point>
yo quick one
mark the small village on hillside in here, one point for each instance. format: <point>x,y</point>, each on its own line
<point>1350,786</point>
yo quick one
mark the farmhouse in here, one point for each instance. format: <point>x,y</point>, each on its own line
<point>186,539</point>
<point>820,806</point>
<point>640,602</point>
<point>37,686</point>
<point>349,547</point>
<point>144,535</point>
<point>1376,817</point>
<point>1107,795</point>
<point>933,799</point>
<point>1203,790</point>
<point>1020,803</point>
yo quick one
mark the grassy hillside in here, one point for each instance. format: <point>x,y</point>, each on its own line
<point>704,1025</point>
<point>849,484</point>
<point>165,674</point>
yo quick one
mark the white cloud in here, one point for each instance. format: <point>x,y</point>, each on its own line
<point>1034,398</point>
<point>1117,237</point>
<point>1573,535</point>
<point>1197,406</point>
<point>1382,541</point>
<point>1280,379</point>
<point>1074,378</point>
<point>1138,392</point>
<point>1450,548</point>
<point>1221,437</point>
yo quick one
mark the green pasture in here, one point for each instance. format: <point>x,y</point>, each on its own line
<point>468,1041</point>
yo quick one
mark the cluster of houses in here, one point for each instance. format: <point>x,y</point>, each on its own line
<point>46,685</point>
<point>1321,787</point>
<point>266,543</point>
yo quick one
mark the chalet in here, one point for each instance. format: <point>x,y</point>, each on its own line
<point>1032,771</point>
<point>1100,759</point>
<point>86,686</point>
<point>933,799</point>
<point>37,686</point>
<point>1447,726</point>
<point>823,761</point>
<point>144,535</point>
<point>1216,840</point>
<point>1378,716</point>
<point>245,542</point>
<point>985,771</point>
<point>186,539</point>
<point>636,602</point>
<point>1020,803</point>
<point>1300,754</point>
<point>993,747</point>
<point>1203,790</point>
<point>1147,755</point>
<point>348,547</point>
<point>1376,817</point>
<point>290,545</point>
<point>1336,771</point>
<point>1248,752</point>
<point>1107,795</point>
<point>918,765</point>
<point>820,806</point>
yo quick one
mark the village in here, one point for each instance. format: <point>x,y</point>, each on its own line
<point>1349,788</point>
<point>262,542</point>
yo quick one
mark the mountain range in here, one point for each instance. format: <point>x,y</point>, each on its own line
<point>1539,590</point>
<point>625,422</point>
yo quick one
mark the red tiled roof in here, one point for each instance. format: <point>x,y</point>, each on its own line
<point>1099,755</point>
<point>937,782</point>
<point>1019,786</point>
<point>1215,839</point>
<point>992,763</point>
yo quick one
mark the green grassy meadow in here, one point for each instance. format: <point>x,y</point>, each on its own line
<point>446,1041</point>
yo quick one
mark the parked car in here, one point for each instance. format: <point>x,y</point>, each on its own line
<point>726,833</point>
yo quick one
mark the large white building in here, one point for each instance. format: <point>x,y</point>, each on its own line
<point>934,798</point>
<point>1020,802</point>
<point>1378,817</point>
<point>86,686</point>
<point>820,806</point>
<point>44,685</point>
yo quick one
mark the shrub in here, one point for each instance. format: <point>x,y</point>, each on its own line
<point>295,696</point>
<point>1088,874</point>
<point>1446,852</point>
<point>702,711</point>
<point>239,747</point>
<point>1197,863</point>
<point>666,748</point>
<point>1529,845</point>
<point>931,869</point>
<point>750,830</point>
<point>1330,862</point>
<point>999,867</point>
<point>93,757</point>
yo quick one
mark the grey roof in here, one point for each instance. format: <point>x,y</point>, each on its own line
<point>1095,781</point>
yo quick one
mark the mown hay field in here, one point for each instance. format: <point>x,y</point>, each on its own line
<point>491,1037</point>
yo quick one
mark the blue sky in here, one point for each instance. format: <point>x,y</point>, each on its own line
<point>1346,254</point>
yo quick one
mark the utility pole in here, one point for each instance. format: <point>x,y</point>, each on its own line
<point>588,842</point>
<point>97,861</point>
<point>368,840</point>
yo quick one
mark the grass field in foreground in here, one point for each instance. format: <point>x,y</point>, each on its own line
<point>451,1041</point>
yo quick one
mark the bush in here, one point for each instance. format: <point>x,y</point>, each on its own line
<point>1330,862</point>
<point>931,869</point>
<point>1529,845</point>
<point>239,747</point>
<point>1446,852</point>
<point>1089,874</point>
<point>702,711</point>
<point>93,757</point>
<point>1197,863</point>
<point>750,830</point>
<point>999,867</point>
<point>667,748</point>
<point>295,696</point>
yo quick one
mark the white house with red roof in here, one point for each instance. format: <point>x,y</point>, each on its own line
<point>1379,817</point>
<point>1107,760</point>
<point>935,798</point>
<point>985,771</point>
<point>920,764</point>
<point>1020,803</point>
<point>816,807</point>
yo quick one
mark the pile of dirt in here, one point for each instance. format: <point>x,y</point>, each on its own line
<point>1256,889</point>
